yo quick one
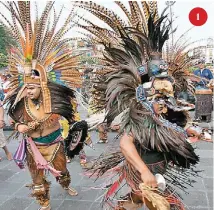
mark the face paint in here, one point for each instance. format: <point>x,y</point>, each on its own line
<point>142,70</point>
<point>157,67</point>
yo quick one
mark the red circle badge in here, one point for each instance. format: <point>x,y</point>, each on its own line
<point>198,16</point>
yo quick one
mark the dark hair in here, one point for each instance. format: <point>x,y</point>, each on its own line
<point>35,72</point>
<point>201,62</point>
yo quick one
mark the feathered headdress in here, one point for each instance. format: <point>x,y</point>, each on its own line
<point>179,59</point>
<point>41,55</point>
<point>133,54</point>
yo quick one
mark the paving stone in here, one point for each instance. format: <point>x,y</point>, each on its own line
<point>84,194</point>
<point>196,198</point>
<point>89,182</point>
<point>4,162</point>
<point>75,205</point>
<point>3,198</point>
<point>205,145</point>
<point>21,177</point>
<point>207,172</point>
<point>206,162</point>
<point>9,188</point>
<point>204,153</point>
<point>208,183</point>
<point>57,192</point>
<point>210,199</point>
<point>54,205</point>
<point>198,185</point>
<point>16,203</point>
<point>24,192</point>
<point>6,174</point>
<point>96,206</point>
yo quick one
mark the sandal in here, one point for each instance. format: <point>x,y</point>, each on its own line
<point>71,191</point>
<point>68,160</point>
<point>102,141</point>
<point>45,207</point>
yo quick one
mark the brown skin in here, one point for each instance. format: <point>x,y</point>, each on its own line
<point>159,108</point>
<point>201,66</point>
<point>2,124</point>
<point>2,117</point>
<point>129,151</point>
<point>34,92</point>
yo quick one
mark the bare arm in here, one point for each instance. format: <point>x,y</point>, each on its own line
<point>1,113</point>
<point>1,117</point>
<point>130,152</point>
<point>128,149</point>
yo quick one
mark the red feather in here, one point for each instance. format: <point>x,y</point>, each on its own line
<point>114,186</point>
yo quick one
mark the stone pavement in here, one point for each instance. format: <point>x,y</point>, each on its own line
<point>15,196</point>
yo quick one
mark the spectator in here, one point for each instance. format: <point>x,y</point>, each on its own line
<point>2,137</point>
<point>5,83</point>
<point>203,72</point>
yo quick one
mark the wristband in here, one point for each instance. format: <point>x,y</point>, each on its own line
<point>16,125</point>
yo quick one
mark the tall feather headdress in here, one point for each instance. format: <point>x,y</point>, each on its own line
<point>129,47</point>
<point>41,49</point>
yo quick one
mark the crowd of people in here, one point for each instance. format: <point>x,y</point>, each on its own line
<point>134,93</point>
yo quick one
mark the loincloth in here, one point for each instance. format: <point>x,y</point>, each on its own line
<point>47,147</point>
<point>47,151</point>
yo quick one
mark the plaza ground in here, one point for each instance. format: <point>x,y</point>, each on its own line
<point>15,196</point>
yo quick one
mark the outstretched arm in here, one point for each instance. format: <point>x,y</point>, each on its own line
<point>130,152</point>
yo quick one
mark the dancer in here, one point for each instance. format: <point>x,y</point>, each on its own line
<point>43,71</point>
<point>75,136</point>
<point>96,115</point>
<point>152,136</point>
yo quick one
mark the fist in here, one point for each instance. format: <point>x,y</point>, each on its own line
<point>23,128</point>
<point>149,179</point>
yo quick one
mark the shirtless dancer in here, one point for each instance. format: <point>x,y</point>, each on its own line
<point>43,74</point>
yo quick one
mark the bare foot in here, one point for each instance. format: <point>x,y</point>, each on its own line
<point>71,191</point>
<point>68,160</point>
<point>9,156</point>
<point>0,159</point>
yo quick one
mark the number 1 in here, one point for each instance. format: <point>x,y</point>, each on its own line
<point>198,17</point>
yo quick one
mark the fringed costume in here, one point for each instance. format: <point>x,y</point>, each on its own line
<point>97,115</point>
<point>77,136</point>
<point>137,82</point>
<point>44,71</point>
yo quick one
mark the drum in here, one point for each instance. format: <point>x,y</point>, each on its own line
<point>203,104</point>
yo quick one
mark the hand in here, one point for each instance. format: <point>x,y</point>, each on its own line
<point>149,179</point>
<point>12,122</point>
<point>2,123</point>
<point>23,128</point>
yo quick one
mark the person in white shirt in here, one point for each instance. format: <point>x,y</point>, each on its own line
<point>2,137</point>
